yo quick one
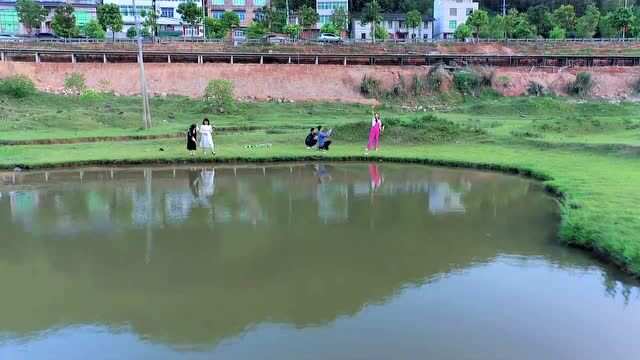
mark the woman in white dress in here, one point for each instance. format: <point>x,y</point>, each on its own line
<point>206,140</point>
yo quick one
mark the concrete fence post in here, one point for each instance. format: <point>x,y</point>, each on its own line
<point>168,59</point>
<point>261,60</point>
<point>104,58</point>
<point>37,57</point>
<point>231,60</point>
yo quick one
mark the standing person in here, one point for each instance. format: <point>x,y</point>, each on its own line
<point>206,140</point>
<point>323,142</point>
<point>192,133</point>
<point>374,134</point>
<point>311,139</point>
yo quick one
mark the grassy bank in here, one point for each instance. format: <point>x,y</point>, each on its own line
<point>588,151</point>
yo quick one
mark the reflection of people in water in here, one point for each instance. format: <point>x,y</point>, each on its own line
<point>321,173</point>
<point>208,182</point>
<point>194,176</point>
<point>376,179</point>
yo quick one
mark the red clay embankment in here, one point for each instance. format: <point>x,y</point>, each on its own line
<point>298,82</point>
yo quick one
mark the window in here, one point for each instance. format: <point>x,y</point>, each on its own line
<point>242,15</point>
<point>9,20</point>
<point>453,24</point>
<point>238,33</point>
<point>82,18</point>
<point>259,2</point>
<point>166,12</point>
<point>453,12</point>
<point>218,2</point>
<point>469,11</point>
<point>459,1</point>
<point>128,10</point>
<point>324,19</point>
<point>217,14</point>
<point>238,3</point>
<point>426,24</point>
<point>425,36</point>
<point>329,5</point>
<point>390,24</point>
<point>363,36</point>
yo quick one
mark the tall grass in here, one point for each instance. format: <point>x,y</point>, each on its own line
<point>582,85</point>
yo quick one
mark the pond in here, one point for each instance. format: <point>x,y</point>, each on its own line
<point>299,261</point>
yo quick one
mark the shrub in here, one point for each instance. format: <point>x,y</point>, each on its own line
<point>465,82</point>
<point>399,90</point>
<point>219,95</point>
<point>75,81</point>
<point>437,77</point>
<point>131,32</point>
<point>369,86</point>
<point>417,86</point>
<point>536,89</point>
<point>558,33</point>
<point>94,30</point>
<point>636,86</point>
<point>90,96</point>
<point>582,85</point>
<point>18,86</point>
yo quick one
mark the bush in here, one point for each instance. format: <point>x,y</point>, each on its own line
<point>18,86</point>
<point>90,96</point>
<point>94,30</point>
<point>636,86</point>
<point>437,77</point>
<point>369,86</point>
<point>75,81</point>
<point>465,82</point>
<point>131,32</point>
<point>417,86</point>
<point>504,80</point>
<point>399,89</point>
<point>582,86</point>
<point>558,33</point>
<point>536,89</point>
<point>219,95</point>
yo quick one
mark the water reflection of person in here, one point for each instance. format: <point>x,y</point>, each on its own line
<point>208,182</point>
<point>322,174</point>
<point>376,179</point>
<point>194,176</point>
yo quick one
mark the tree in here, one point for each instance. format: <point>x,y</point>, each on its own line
<point>495,29</point>
<point>371,14</point>
<point>273,19</point>
<point>588,23</point>
<point>230,19</point>
<point>94,30</point>
<point>477,21</point>
<point>151,20</point>
<point>413,20</point>
<point>607,27</point>
<point>308,16</point>
<point>64,21</point>
<point>215,28</point>
<point>256,30</point>
<point>524,29</point>
<point>558,33</point>
<point>564,17</point>
<point>381,33</point>
<point>540,17</point>
<point>292,30</point>
<point>510,22</point>
<point>622,18</point>
<point>132,32</point>
<point>31,14</point>
<point>463,31</point>
<point>190,13</point>
<point>340,19</point>
<point>110,18</point>
<point>329,28</point>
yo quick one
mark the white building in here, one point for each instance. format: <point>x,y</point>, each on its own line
<point>449,14</point>
<point>396,26</point>
<point>169,23</point>
<point>325,9</point>
<point>85,11</point>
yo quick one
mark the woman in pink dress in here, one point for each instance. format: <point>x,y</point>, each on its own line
<point>374,134</point>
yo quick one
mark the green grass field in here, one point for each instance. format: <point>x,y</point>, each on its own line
<point>588,151</point>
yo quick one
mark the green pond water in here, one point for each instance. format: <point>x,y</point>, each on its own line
<point>299,261</point>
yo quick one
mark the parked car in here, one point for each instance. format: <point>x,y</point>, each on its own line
<point>329,38</point>
<point>9,37</point>
<point>275,38</point>
<point>47,36</point>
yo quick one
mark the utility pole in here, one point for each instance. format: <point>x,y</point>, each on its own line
<point>146,112</point>
<point>624,28</point>
<point>286,4</point>
<point>154,30</point>
<point>204,16</point>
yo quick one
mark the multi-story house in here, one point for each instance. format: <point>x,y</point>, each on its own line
<point>85,11</point>
<point>325,9</point>
<point>449,14</point>
<point>168,22</point>
<point>396,27</point>
<point>247,10</point>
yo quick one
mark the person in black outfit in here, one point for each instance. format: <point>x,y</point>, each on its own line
<point>191,139</point>
<point>311,139</point>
